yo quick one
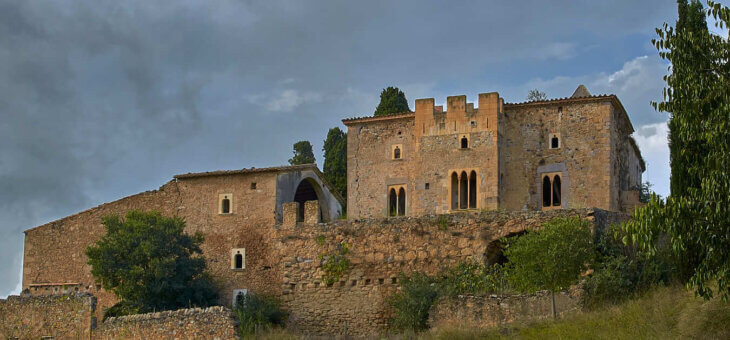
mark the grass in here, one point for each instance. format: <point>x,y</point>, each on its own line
<point>664,313</point>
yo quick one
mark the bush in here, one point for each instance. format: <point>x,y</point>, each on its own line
<point>412,303</point>
<point>471,278</point>
<point>256,312</point>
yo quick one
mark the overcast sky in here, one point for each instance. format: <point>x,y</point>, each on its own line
<point>104,99</point>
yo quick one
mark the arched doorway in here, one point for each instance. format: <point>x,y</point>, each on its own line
<point>495,249</point>
<point>307,191</point>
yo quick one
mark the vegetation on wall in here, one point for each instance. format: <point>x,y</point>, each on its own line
<point>150,264</point>
<point>411,304</point>
<point>335,160</point>
<point>335,265</point>
<point>392,100</point>
<point>302,153</point>
<point>695,218</point>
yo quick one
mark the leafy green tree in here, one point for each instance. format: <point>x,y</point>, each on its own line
<point>412,303</point>
<point>335,160</point>
<point>536,95</point>
<point>551,258</point>
<point>302,153</point>
<point>392,100</point>
<point>150,264</point>
<point>695,217</point>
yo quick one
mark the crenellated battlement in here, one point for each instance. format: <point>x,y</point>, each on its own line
<point>460,116</point>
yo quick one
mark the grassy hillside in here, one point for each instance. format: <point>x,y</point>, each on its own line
<point>664,313</point>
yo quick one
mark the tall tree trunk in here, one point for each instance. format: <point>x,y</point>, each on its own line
<point>552,295</point>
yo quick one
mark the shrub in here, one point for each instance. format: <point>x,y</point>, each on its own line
<point>336,265</point>
<point>256,312</point>
<point>471,278</point>
<point>412,303</point>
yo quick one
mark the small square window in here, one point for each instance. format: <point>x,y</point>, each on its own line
<point>239,296</point>
<point>473,123</point>
<point>427,186</point>
<point>560,109</point>
<point>253,185</point>
<point>464,142</point>
<point>397,151</point>
<point>555,142</point>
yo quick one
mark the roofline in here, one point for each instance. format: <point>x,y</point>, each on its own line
<point>370,119</point>
<point>247,171</point>
<point>638,153</point>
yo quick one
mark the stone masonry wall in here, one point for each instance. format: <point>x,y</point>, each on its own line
<point>494,310</point>
<point>381,249</point>
<point>195,323</point>
<point>584,156</point>
<point>68,316</point>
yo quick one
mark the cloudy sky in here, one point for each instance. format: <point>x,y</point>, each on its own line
<point>104,99</point>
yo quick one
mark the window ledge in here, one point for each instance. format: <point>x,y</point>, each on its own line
<point>396,159</point>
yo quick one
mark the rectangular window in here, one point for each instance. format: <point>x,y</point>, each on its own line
<point>225,204</point>
<point>238,258</point>
<point>253,185</point>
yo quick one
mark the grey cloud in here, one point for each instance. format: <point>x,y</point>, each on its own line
<point>102,99</point>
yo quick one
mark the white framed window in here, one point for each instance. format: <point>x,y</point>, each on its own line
<point>238,258</point>
<point>225,204</point>
<point>238,297</point>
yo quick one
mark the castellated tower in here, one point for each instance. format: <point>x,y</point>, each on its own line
<point>564,153</point>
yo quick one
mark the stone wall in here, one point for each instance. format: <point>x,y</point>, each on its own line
<point>495,310</point>
<point>381,249</point>
<point>195,323</point>
<point>68,316</point>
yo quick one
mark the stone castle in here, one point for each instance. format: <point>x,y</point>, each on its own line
<point>462,178</point>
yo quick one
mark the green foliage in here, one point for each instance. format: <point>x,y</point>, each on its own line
<point>150,264</point>
<point>443,223</point>
<point>471,278</point>
<point>535,95</point>
<point>335,160</point>
<point>695,217</point>
<point>551,258</point>
<point>302,153</point>
<point>320,240</point>
<point>392,100</point>
<point>412,303</point>
<point>645,192</point>
<point>335,265</point>
<point>256,313</point>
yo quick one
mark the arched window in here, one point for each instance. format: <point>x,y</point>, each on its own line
<point>556,191</point>
<point>473,190</point>
<point>546,190</point>
<point>464,142</point>
<point>238,259</point>
<point>454,191</point>
<point>392,203</point>
<point>396,153</point>
<point>402,202</point>
<point>225,205</point>
<point>463,190</point>
<point>554,142</point>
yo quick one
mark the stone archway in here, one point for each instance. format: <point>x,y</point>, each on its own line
<point>494,253</point>
<point>309,190</point>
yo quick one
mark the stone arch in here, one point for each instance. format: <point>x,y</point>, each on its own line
<point>454,191</point>
<point>546,190</point>
<point>464,142</point>
<point>402,202</point>
<point>309,190</point>
<point>494,253</point>
<point>473,190</point>
<point>463,190</point>
<point>392,202</point>
<point>557,191</point>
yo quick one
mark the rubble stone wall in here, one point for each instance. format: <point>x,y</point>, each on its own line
<point>67,316</point>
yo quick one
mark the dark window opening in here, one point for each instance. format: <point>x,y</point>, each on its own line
<point>253,186</point>
<point>396,153</point>
<point>428,186</point>
<point>554,142</point>
<point>464,143</point>
<point>454,191</point>
<point>402,202</point>
<point>225,205</point>
<point>473,190</point>
<point>556,191</point>
<point>560,109</point>
<point>473,123</point>
<point>240,299</point>
<point>238,261</point>
<point>305,192</point>
<point>393,203</point>
<point>546,189</point>
<point>463,191</point>
<point>398,133</point>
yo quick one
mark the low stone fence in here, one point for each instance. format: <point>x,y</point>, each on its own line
<point>495,310</point>
<point>67,316</point>
<point>193,323</point>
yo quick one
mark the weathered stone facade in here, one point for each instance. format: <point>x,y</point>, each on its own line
<point>496,156</point>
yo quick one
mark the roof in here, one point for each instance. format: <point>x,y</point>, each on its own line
<point>581,92</point>
<point>284,168</point>
<point>367,119</point>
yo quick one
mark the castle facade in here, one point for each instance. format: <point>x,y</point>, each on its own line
<point>565,153</point>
